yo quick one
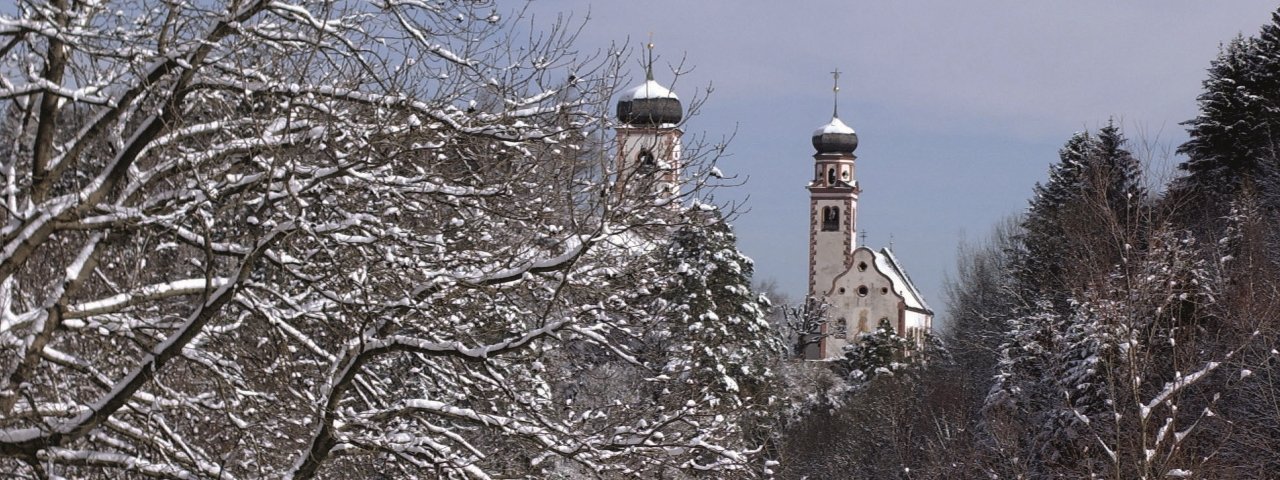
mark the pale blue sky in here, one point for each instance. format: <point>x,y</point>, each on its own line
<point>960,107</point>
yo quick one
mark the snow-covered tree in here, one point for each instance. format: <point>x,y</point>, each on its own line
<point>1236,136</point>
<point>259,239</point>
<point>716,323</point>
<point>878,352</point>
<point>1079,221</point>
<point>1118,387</point>
<point>804,326</point>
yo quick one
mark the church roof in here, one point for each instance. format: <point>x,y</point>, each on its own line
<point>835,137</point>
<point>836,126</point>
<point>888,264</point>
<point>649,89</point>
<point>649,104</point>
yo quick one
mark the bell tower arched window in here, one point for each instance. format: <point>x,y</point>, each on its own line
<point>830,219</point>
<point>645,162</point>
<point>831,176</point>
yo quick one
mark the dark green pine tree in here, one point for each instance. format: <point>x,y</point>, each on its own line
<point>1081,220</point>
<point>1081,227</point>
<point>1235,136</point>
<point>1121,173</point>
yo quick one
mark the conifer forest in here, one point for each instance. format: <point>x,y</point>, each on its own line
<point>248,239</point>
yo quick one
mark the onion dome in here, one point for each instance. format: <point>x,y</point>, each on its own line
<point>649,104</point>
<point>835,137</point>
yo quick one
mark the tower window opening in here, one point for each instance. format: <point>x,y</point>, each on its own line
<point>646,162</point>
<point>862,290</point>
<point>884,290</point>
<point>831,176</point>
<point>830,219</point>
<point>844,175</point>
<point>862,266</point>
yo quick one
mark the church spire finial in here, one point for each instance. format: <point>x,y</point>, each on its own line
<point>835,93</point>
<point>648,66</point>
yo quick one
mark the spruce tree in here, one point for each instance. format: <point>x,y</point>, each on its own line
<point>1235,136</point>
<point>716,337</point>
<point>1081,220</point>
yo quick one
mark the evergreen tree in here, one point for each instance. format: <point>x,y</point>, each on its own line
<point>1081,220</point>
<point>1019,391</point>
<point>885,353</point>
<point>721,339</point>
<point>704,340</point>
<point>1235,136</point>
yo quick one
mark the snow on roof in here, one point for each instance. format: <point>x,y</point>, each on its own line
<point>649,89</point>
<point>836,126</point>
<point>888,264</point>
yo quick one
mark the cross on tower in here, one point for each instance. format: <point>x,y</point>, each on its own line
<point>835,93</point>
<point>648,67</point>
<point>863,237</point>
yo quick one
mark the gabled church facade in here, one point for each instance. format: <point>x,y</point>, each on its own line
<point>861,287</point>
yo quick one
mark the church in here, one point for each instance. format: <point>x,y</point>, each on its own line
<point>861,288</point>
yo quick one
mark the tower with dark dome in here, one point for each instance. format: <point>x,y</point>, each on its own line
<point>648,136</point>
<point>862,288</point>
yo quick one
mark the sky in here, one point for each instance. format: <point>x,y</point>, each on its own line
<point>960,107</point>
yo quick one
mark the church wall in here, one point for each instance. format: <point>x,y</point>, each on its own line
<point>864,296</point>
<point>829,249</point>
<point>918,322</point>
<point>662,143</point>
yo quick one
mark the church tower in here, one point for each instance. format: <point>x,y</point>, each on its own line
<point>833,201</point>
<point>861,288</point>
<point>649,136</point>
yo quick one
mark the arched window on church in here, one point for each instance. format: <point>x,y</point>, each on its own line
<point>646,162</point>
<point>831,176</point>
<point>830,219</point>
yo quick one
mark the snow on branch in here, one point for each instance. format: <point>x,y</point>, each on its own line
<point>145,294</point>
<point>1181,382</point>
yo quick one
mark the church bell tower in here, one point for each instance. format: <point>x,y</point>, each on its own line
<point>833,206</point>
<point>648,137</point>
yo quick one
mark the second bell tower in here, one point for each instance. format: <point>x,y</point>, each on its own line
<point>649,137</point>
